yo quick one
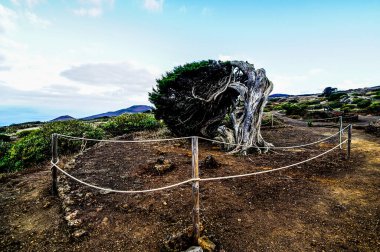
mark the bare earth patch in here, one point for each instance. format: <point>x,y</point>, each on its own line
<point>327,204</point>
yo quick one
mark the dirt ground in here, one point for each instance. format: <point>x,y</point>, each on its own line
<point>328,204</point>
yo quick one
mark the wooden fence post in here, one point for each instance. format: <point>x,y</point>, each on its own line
<point>54,151</point>
<point>340,131</point>
<point>349,142</point>
<point>272,119</point>
<point>195,175</point>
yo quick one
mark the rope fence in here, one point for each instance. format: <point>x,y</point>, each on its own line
<point>195,167</point>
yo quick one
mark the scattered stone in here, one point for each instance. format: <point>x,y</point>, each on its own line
<point>125,206</point>
<point>47,205</point>
<point>194,249</point>
<point>206,244</point>
<point>163,165</point>
<point>67,201</point>
<point>239,220</point>
<point>88,195</point>
<point>79,233</point>
<point>71,216</point>
<point>74,223</point>
<point>98,209</point>
<point>164,203</point>
<point>105,221</point>
<point>210,163</point>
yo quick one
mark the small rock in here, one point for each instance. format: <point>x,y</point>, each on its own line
<point>239,220</point>
<point>194,249</point>
<point>125,206</point>
<point>206,244</point>
<point>164,203</point>
<point>79,233</point>
<point>105,221</point>
<point>210,163</point>
<point>74,223</point>
<point>71,216</point>
<point>88,195</point>
<point>47,204</point>
<point>98,209</point>
<point>163,165</point>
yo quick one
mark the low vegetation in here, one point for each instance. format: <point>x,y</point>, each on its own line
<point>33,146</point>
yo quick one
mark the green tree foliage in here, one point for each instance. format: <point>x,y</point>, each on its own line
<point>173,100</point>
<point>129,123</point>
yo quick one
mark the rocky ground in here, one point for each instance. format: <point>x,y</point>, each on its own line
<point>327,204</point>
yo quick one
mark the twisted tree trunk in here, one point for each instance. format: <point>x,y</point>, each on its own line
<point>247,111</point>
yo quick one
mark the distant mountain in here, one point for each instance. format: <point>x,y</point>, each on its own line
<point>63,118</point>
<point>279,95</point>
<point>132,110</point>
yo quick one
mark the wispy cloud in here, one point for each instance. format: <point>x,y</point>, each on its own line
<point>89,12</point>
<point>125,75</point>
<point>92,8</point>
<point>154,5</point>
<point>28,3</point>
<point>7,19</point>
<point>36,20</point>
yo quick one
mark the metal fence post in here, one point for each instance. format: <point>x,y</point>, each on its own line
<point>340,131</point>
<point>54,151</point>
<point>349,141</point>
<point>195,192</point>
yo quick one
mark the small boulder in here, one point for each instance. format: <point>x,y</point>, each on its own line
<point>210,163</point>
<point>206,244</point>
<point>79,233</point>
<point>194,249</point>
<point>163,165</point>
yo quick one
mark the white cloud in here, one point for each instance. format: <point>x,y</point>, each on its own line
<point>89,12</point>
<point>29,3</point>
<point>36,20</point>
<point>7,19</point>
<point>154,5</point>
<point>92,8</point>
<point>122,75</point>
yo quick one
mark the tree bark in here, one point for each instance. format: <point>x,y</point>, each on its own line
<point>247,112</point>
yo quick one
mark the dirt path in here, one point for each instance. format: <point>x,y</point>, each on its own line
<point>324,206</point>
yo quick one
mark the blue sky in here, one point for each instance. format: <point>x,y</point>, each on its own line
<point>81,57</point>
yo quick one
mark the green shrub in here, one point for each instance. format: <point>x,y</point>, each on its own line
<point>24,133</point>
<point>127,123</point>
<point>335,104</point>
<point>374,108</point>
<point>348,107</point>
<point>377,97</point>
<point>364,103</point>
<point>35,146</point>
<point>5,138</point>
<point>312,102</point>
<point>4,156</point>
<point>294,109</point>
<point>318,106</point>
<point>336,96</point>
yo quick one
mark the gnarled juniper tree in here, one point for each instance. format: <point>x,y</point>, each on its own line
<point>198,97</point>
